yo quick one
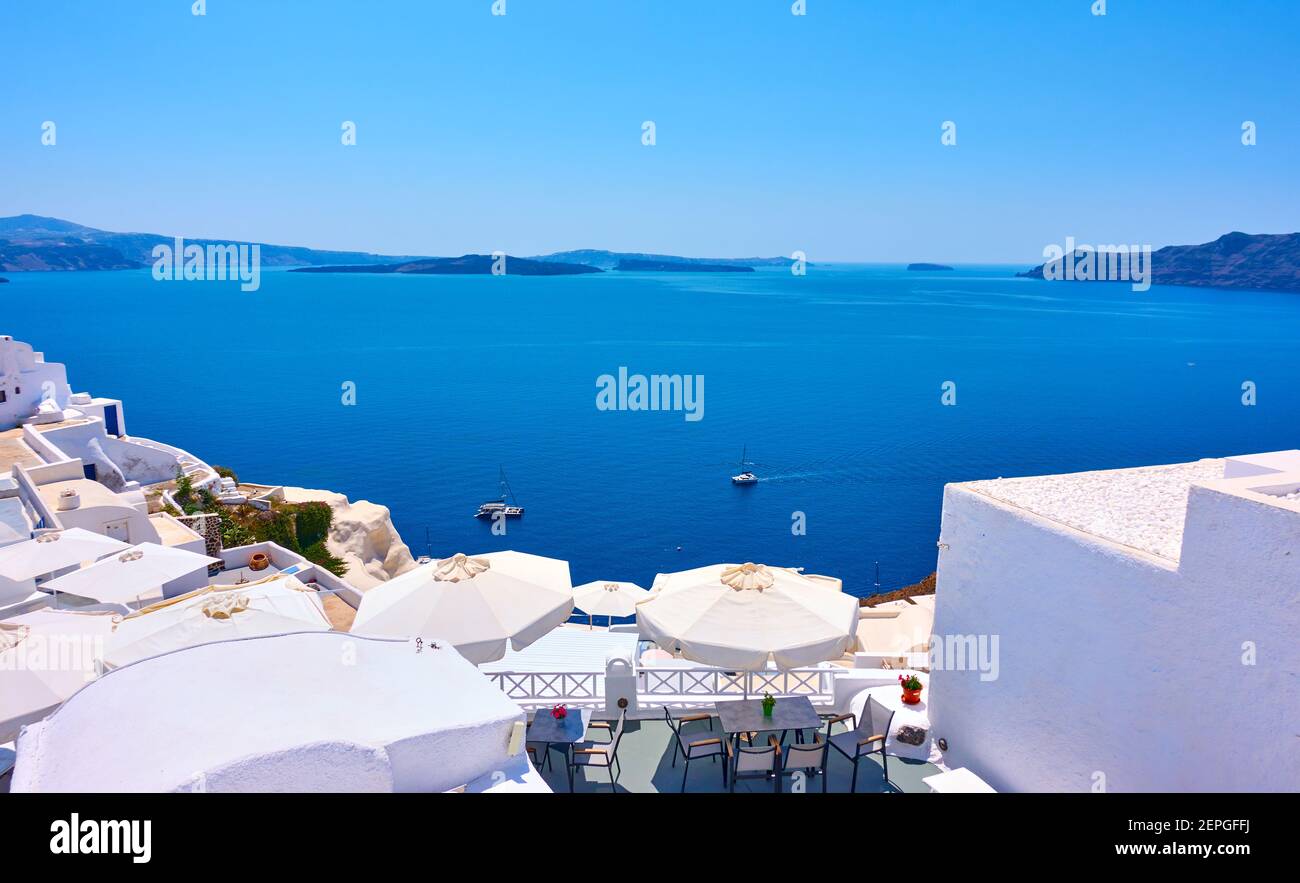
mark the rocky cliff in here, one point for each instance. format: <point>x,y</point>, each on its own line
<point>362,534</point>
<point>1266,262</point>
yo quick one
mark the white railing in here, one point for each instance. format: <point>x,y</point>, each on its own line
<point>816,683</point>
<point>668,687</point>
<point>541,687</point>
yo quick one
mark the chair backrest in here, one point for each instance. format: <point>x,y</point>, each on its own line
<point>754,759</point>
<point>875,719</point>
<point>676,727</point>
<point>806,755</point>
<point>618,732</point>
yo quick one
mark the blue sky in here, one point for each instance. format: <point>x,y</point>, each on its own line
<point>775,132</point>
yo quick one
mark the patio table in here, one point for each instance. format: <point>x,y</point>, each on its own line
<point>746,716</point>
<point>565,732</point>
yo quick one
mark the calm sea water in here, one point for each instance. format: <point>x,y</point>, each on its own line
<point>833,381</point>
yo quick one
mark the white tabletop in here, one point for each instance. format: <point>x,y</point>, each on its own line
<point>958,781</point>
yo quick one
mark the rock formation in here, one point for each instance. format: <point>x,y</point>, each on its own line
<point>362,534</point>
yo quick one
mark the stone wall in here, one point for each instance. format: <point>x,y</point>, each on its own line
<point>208,526</point>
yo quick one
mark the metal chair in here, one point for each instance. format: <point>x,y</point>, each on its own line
<point>601,754</point>
<point>756,762</point>
<point>807,757</point>
<point>678,723</point>
<point>695,750</point>
<point>538,754</point>
<point>867,737</point>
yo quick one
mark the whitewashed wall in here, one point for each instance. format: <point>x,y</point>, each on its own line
<point>23,377</point>
<point>1118,669</point>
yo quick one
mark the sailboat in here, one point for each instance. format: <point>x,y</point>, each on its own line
<point>494,508</point>
<point>745,477</point>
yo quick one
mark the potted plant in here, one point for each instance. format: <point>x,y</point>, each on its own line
<point>559,712</point>
<point>911,688</point>
<point>769,702</point>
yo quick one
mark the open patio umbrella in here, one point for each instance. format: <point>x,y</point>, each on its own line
<point>271,606</point>
<point>310,711</point>
<point>127,576</point>
<point>608,598</point>
<point>54,551</point>
<point>45,657</point>
<point>738,616</point>
<point>478,604</point>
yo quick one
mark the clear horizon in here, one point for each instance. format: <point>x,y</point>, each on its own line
<point>774,132</point>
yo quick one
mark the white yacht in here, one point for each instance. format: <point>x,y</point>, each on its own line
<point>745,477</point>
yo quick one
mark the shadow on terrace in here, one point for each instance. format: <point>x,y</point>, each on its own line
<point>646,765</point>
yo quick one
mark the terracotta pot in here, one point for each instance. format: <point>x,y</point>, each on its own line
<point>912,697</point>
<point>259,561</point>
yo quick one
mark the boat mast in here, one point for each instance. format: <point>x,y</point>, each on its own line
<point>505,488</point>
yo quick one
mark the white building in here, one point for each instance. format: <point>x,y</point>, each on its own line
<point>26,380</point>
<point>1143,623</point>
<point>66,461</point>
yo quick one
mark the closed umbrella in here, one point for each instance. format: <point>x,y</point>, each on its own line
<point>608,598</point>
<point>740,616</point>
<point>480,604</point>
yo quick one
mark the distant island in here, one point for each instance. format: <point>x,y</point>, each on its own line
<point>923,266</point>
<point>679,266</point>
<point>33,242</point>
<point>1269,262</point>
<point>38,243</point>
<point>465,265</point>
<point>609,260</point>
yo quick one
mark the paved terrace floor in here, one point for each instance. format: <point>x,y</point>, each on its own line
<point>646,755</point>
<point>14,451</point>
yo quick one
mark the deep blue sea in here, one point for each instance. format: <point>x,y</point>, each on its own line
<point>832,381</point>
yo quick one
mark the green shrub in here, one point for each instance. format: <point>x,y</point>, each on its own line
<point>318,554</point>
<point>277,526</point>
<point>226,472</point>
<point>233,533</point>
<point>312,521</point>
<point>184,493</point>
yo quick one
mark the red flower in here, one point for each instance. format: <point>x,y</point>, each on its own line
<point>559,712</point>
